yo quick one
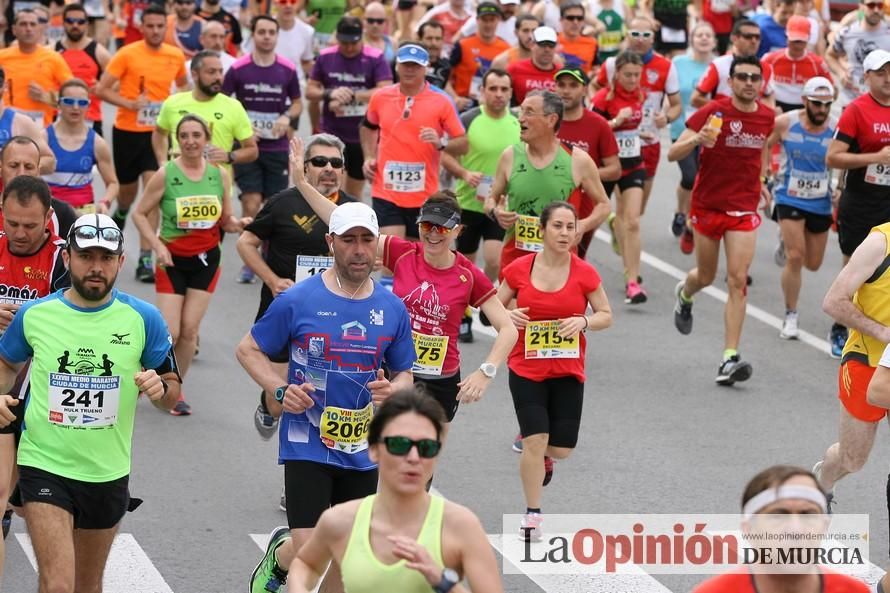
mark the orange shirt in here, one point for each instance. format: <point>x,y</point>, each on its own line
<point>43,66</point>
<point>470,58</point>
<point>141,68</point>
<point>578,53</point>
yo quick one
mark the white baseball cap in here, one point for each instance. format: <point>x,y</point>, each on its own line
<point>818,87</point>
<point>507,2</point>
<point>876,60</point>
<point>544,34</point>
<point>96,230</point>
<point>351,215</point>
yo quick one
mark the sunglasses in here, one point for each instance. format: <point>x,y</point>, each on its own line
<point>820,103</point>
<point>401,446</point>
<point>749,36</point>
<point>88,232</point>
<point>371,21</point>
<point>549,44</point>
<point>874,5</point>
<point>430,227</point>
<point>748,76</point>
<point>409,103</point>
<point>576,18</point>
<point>73,21</point>
<point>74,102</point>
<point>320,161</point>
<point>643,34</point>
<point>288,2</point>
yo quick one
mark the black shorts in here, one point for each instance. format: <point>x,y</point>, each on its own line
<point>95,505</point>
<point>548,407</point>
<point>354,158</point>
<point>477,226</point>
<point>97,127</point>
<point>295,123</point>
<point>194,272</point>
<point>133,155</point>
<point>814,223</point>
<point>663,46</point>
<point>722,43</point>
<point>406,4</point>
<point>266,299</point>
<point>267,175</point>
<point>443,390</point>
<point>628,180</point>
<point>311,488</point>
<point>388,214</point>
<point>855,219</point>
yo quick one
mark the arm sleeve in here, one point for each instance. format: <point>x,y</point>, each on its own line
<point>467,117</point>
<point>847,125</point>
<point>382,72</point>
<point>602,76</point>
<point>316,73</point>
<point>591,278</point>
<point>452,125</point>
<point>698,119</point>
<point>13,345</point>
<point>228,86</point>
<point>455,56</point>
<point>483,289</point>
<point>600,105</point>
<point>371,116</point>
<point>672,84</point>
<point>164,123</point>
<point>293,87</point>
<point>118,64</point>
<point>400,355</point>
<point>158,342</point>
<point>608,146</point>
<point>394,248</point>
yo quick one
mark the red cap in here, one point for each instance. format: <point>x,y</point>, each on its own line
<point>798,28</point>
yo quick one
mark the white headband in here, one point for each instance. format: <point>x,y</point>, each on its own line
<point>771,495</point>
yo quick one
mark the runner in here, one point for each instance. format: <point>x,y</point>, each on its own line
<point>611,14</point>
<point>522,49</point>
<point>674,23</point>
<point>794,65</point>
<point>401,135</point>
<point>451,545</point>
<point>213,38</point>
<point>77,149</point>
<point>439,69</point>
<point>547,363</point>
<point>578,51</point>
<point>802,196</point>
<point>294,40</point>
<point>184,28</point>
<point>375,24</point>
<point>74,482</point>
<point>451,15</point>
<point>724,207</point>
<point>323,15</point>
<point>86,57</point>
<point>535,72</point>
<point>193,196</point>
<point>334,380</point>
<point>471,56</point>
<point>212,11</point>
<point>772,26</point>
<point>860,148</point>
<point>344,78</point>
<point>852,44</point>
<point>13,123</point>
<point>143,87</point>
<point>506,27</point>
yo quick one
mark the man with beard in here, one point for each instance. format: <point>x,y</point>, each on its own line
<point>852,44</point>
<point>85,56</point>
<point>522,49</point>
<point>184,28</point>
<point>74,483</point>
<point>212,11</point>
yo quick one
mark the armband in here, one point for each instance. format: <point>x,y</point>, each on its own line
<point>369,125</point>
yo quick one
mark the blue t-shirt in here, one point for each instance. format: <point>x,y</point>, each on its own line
<point>337,344</point>
<point>689,73</point>
<point>772,34</point>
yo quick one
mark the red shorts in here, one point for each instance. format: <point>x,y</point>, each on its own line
<point>853,378</point>
<point>715,223</point>
<point>651,153</point>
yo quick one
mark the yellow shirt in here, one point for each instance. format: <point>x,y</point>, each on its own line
<point>873,299</point>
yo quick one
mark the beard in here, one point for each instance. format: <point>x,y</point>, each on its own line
<point>74,35</point>
<point>817,118</point>
<point>208,89</point>
<point>92,293</point>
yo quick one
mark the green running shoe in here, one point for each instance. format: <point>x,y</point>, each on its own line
<point>268,577</point>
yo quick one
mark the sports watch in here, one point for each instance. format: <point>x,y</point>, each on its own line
<point>449,579</point>
<point>279,393</point>
<point>488,369</point>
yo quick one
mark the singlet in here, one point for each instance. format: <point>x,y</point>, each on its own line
<point>579,52</point>
<point>873,299</point>
<point>609,40</point>
<point>25,278</point>
<point>72,181</point>
<point>790,75</point>
<point>804,178</point>
<point>337,344</point>
<point>487,138</point>
<point>6,121</point>
<point>190,210</point>
<point>79,420</point>
<point>364,573</point>
<point>85,66</point>
<point>470,58</point>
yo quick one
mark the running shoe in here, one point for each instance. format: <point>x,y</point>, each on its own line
<point>282,502</point>
<point>733,369</point>
<point>181,408</point>
<point>144,270</point>
<point>246,276</point>
<point>687,242</point>
<point>678,225</point>
<point>517,443</point>
<point>119,219</point>
<point>837,337</point>
<point>198,345</point>
<point>611,221</point>
<point>268,577</point>
<point>634,294</point>
<point>779,256</point>
<point>548,469</point>
<point>7,522</point>
<point>530,527</point>
<point>829,495</point>
<point>790,330</point>
<point>466,330</point>
<point>682,312</point>
<point>266,424</point>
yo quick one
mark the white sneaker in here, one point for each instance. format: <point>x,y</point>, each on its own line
<point>530,528</point>
<point>790,330</point>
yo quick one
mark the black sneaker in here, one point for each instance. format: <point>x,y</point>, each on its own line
<point>733,369</point>
<point>678,225</point>
<point>7,522</point>
<point>466,330</point>
<point>119,219</point>
<point>144,270</point>
<point>682,312</point>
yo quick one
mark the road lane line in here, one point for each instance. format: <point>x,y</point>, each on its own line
<point>129,569</point>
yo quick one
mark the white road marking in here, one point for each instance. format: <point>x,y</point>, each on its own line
<point>129,569</point>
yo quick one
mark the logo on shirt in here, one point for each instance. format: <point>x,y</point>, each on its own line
<point>741,139</point>
<point>73,418</point>
<point>425,299</point>
<point>316,347</point>
<point>32,273</point>
<point>84,363</point>
<point>651,76</point>
<point>307,223</point>
<point>376,317</point>
<point>354,331</point>
<point>119,339</point>
<point>217,115</point>
<point>176,181</point>
<point>17,294</point>
<point>89,419</point>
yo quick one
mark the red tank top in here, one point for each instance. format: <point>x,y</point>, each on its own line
<point>85,66</point>
<point>29,277</point>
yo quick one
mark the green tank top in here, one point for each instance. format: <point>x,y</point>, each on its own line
<point>530,189</point>
<point>190,210</point>
<point>610,39</point>
<point>364,573</point>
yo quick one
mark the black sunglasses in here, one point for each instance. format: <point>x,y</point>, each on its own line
<point>409,103</point>
<point>320,161</point>
<point>820,103</point>
<point>749,36</point>
<point>748,76</point>
<point>576,18</point>
<point>73,21</point>
<point>375,21</point>
<point>401,446</point>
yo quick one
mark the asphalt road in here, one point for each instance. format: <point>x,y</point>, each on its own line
<point>658,435</point>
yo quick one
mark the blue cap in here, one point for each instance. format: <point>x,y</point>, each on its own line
<point>413,53</point>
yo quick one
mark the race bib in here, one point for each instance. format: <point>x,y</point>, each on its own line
<point>85,209</point>
<point>310,265</point>
<point>197,212</point>
<point>404,177</point>
<point>263,124</point>
<point>721,6</point>
<point>669,35</point>
<point>878,175</point>
<point>484,187</point>
<point>137,17</point>
<point>430,352</point>
<point>808,185</point>
<point>528,233</point>
<point>542,341</point>
<point>628,144</point>
<point>610,41</point>
<point>354,110</point>
<point>148,115</point>
<point>475,86</point>
<point>345,430</point>
<point>83,401</point>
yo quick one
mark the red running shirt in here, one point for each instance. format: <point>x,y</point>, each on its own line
<point>435,298</point>
<point>739,145</point>
<point>714,82</point>
<point>570,300</point>
<point>627,135</point>
<point>592,135</point>
<point>29,277</point>
<point>743,582</point>
<point>527,77</point>
<point>790,75</point>
<point>865,126</point>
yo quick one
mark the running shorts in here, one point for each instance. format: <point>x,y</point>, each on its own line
<point>95,505</point>
<point>716,223</point>
<point>196,272</point>
<point>310,488</point>
<point>853,378</point>
<point>552,407</point>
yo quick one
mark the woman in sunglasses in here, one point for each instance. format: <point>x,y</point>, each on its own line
<point>622,104</point>
<point>553,291</point>
<point>366,537</point>
<point>436,284</point>
<point>193,196</point>
<point>77,148</point>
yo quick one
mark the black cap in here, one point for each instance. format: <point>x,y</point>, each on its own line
<point>439,213</point>
<point>349,29</point>
<point>489,8</point>
<point>575,73</point>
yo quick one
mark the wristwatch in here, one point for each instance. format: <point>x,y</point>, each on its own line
<point>230,158</point>
<point>449,579</point>
<point>279,393</point>
<point>488,369</point>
